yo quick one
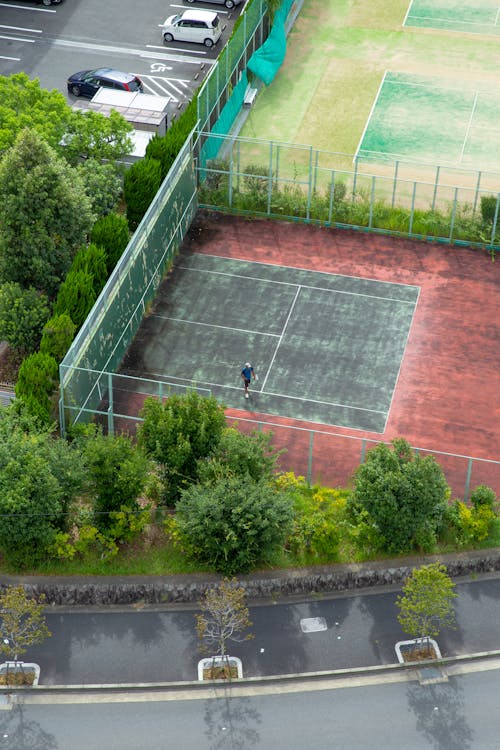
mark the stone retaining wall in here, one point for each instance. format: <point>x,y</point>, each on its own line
<point>122,590</point>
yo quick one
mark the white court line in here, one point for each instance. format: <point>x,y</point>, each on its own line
<point>169,379</point>
<point>369,117</point>
<point>407,13</point>
<point>213,325</point>
<point>20,28</point>
<point>307,270</point>
<point>280,338</point>
<point>474,105</point>
<point>497,17</point>
<point>303,286</point>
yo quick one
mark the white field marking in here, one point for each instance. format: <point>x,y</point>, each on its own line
<point>469,125</point>
<point>497,17</point>
<point>16,59</point>
<point>170,380</point>
<point>303,286</point>
<point>17,39</point>
<point>280,338</point>
<point>309,270</point>
<point>401,362</point>
<point>27,7</point>
<point>369,117</point>
<point>407,13</point>
<point>213,325</point>
<point>448,20</point>
<point>20,28</point>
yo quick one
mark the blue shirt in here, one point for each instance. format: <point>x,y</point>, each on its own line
<point>247,373</point>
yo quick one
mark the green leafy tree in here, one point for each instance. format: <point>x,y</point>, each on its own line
<point>405,496</point>
<point>117,474</point>
<point>179,432</point>
<point>45,214</point>
<point>233,524</point>
<point>142,182</point>
<point>237,454</point>
<point>103,185</point>
<point>426,605</point>
<point>76,296</point>
<point>23,314</point>
<point>22,622</point>
<point>165,148</point>
<point>92,259</point>
<point>224,617</point>
<point>72,133</point>
<point>36,383</point>
<point>58,333</point>
<point>37,483</point>
<point>112,233</point>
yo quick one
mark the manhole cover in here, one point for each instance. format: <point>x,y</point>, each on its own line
<point>312,624</point>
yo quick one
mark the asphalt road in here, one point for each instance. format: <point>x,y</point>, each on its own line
<point>460,714</point>
<point>90,647</point>
<point>52,43</point>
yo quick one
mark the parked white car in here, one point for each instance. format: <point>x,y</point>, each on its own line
<point>197,26</point>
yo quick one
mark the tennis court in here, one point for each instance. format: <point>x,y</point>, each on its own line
<point>327,348</point>
<point>473,16</point>
<point>433,120</point>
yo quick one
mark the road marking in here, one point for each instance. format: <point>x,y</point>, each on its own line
<point>159,67</point>
<point>127,51</point>
<point>220,12</point>
<point>16,59</point>
<point>27,7</point>
<point>177,49</point>
<point>17,39</point>
<point>154,81</point>
<point>20,28</point>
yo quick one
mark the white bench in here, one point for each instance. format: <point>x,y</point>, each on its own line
<point>249,97</point>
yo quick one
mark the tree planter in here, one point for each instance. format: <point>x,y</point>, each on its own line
<point>19,673</point>
<point>417,649</point>
<point>220,668</point>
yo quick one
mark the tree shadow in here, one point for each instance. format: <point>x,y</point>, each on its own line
<point>231,722</point>
<point>439,710</point>
<point>19,733</point>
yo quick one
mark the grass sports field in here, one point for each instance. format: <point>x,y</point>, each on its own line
<point>389,79</point>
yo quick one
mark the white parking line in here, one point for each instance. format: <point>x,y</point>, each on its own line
<point>203,7</point>
<point>27,7</point>
<point>20,28</point>
<point>16,59</point>
<point>177,49</point>
<point>17,39</point>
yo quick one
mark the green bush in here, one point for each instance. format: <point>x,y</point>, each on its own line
<point>142,182</point>
<point>483,496</point>
<point>103,185</point>
<point>58,333</point>
<point>23,314</point>
<point>237,454</point>
<point>233,524</point>
<point>76,296</point>
<point>165,148</point>
<point>488,208</point>
<point>36,382</point>
<point>112,233</point>
<point>92,259</point>
<point>319,517</point>
<point>467,526</point>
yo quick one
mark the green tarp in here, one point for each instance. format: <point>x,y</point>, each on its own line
<point>267,60</point>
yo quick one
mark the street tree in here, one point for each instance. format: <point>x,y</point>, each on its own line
<point>45,214</point>
<point>404,494</point>
<point>426,605</point>
<point>23,314</point>
<point>22,622</point>
<point>224,617</point>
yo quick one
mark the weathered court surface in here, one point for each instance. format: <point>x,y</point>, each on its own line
<point>351,334</point>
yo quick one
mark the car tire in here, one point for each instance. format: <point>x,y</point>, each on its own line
<point>75,90</point>
<point>168,38</point>
<point>47,2</point>
<point>208,43</point>
<point>229,4</point>
<point>190,1</point>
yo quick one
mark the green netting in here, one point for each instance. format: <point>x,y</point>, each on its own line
<point>267,60</point>
<point>223,125</point>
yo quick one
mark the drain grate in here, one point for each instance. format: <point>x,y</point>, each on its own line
<point>313,624</point>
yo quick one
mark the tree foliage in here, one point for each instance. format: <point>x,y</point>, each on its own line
<point>76,296</point>
<point>23,314</point>
<point>45,214</point>
<point>103,185</point>
<point>36,382</point>
<point>111,232</point>
<point>404,494</point>
<point>94,136</point>
<point>233,524</point>
<point>224,617</point>
<point>117,474</point>
<point>426,605</point>
<point>142,182</point>
<point>92,259</point>
<point>22,622</point>
<point>237,454</point>
<point>58,333</point>
<point>179,432</point>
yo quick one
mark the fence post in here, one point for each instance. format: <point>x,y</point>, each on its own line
<point>495,220</point>
<point>310,458</point>
<point>111,421</point>
<point>332,193</point>
<point>363,451</point>
<point>438,169</point>
<point>270,179</point>
<point>477,191</point>
<point>310,188</point>
<point>410,228</point>
<point>354,179</point>
<point>396,170</point>
<point>453,211</point>
<point>372,196</point>
<point>467,479</point>
<point>160,391</point>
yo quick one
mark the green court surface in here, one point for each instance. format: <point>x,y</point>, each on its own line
<point>326,348</point>
<point>474,16</point>
<point>433,120</point>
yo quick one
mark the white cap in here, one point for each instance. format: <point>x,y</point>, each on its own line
<point>247,364</point>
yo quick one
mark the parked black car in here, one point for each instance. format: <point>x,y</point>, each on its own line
<point>88,82</point>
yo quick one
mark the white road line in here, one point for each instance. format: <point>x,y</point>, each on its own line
<point>17,39</point>
<point>176,49</point>
<point>20,28</point>
<point>27,7</point>
<point>281,338</point>
<point>213,325</point>
<point>220,12</point>
<point>16,59</point>
<point>126,51</point>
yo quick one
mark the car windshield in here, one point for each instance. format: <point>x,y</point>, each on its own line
<point>175,19</point>
<point>134,84</point>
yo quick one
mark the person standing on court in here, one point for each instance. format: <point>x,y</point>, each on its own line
<point>246,375</point>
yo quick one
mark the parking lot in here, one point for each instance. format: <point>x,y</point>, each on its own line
<point>51,43</point>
